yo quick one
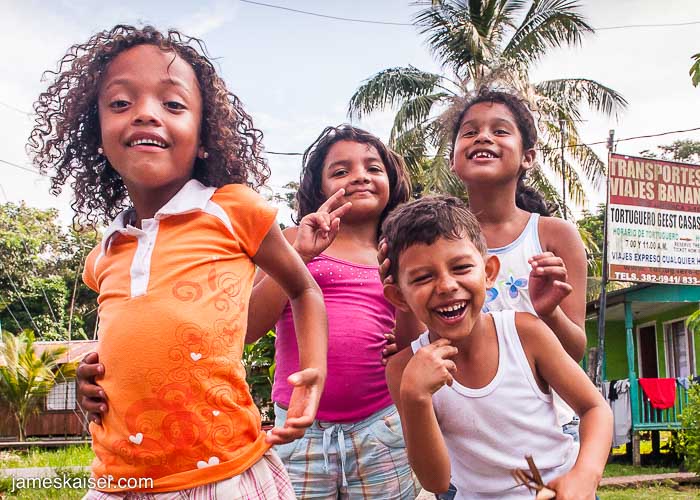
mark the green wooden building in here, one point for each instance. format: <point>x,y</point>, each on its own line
<point>646,337</point>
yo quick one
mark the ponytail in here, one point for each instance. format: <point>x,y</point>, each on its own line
<point>529,199</point>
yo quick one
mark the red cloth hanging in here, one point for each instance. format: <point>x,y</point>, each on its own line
<point>660,391</point>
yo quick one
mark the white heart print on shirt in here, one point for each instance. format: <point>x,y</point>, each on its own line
<point>136,438</point>
<point>212,461</point>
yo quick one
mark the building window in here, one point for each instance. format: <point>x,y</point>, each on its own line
<point>680,355</point>
<point>62,396</point>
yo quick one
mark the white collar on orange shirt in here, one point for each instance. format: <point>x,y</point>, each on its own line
<point>192,197</point>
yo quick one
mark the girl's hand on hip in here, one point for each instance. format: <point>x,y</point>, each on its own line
<point>91,396</point>
<point>318,230</point>
<point>547,283</point>
<point>303,405</point>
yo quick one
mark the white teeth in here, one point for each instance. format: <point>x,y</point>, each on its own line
<point>483,154</point>
<point>453,307</point>
<point>148,142</point>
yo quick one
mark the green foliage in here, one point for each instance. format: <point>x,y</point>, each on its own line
<point>690,419</point>
<point>259,362</point>
<point>490,42</point>
<point>590,227</point>
<point>25,377</point>
<point>40,275</point>
<point>67,456</point>
<point>683,150</point>
<point>695,70</point>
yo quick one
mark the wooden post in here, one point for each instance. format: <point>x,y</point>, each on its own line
<point>636,455</point>
<point>603,299</point>
<point>629,323</point>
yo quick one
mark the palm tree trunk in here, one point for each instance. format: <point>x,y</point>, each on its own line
<point>20,426</point>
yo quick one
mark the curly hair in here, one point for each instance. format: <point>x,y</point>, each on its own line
<point>66,134</point>
<point>526,197</point>
<point>310,197</point>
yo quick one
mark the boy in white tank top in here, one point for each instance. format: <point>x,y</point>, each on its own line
<point>473,392</point>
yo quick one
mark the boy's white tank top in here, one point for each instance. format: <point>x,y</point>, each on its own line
<point>489,431</point>
<point>511,288</point>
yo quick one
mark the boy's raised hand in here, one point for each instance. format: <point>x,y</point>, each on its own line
<point>303,405</point>
<point>318,230</point>
<point>91,396</point>
<point>428,370</point>
<point>547,283</point>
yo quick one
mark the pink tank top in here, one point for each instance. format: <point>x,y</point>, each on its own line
<point>358,318</point>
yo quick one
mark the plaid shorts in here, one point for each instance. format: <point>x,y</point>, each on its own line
<point>266,479</point>
<point>361,460</point>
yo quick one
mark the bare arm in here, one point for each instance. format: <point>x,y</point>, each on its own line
<point>315,233</point>
<point>564,376</point>
<point>558,284</point>
<point>412,379</point>
<point>281,262</point>
<point>267,300</point>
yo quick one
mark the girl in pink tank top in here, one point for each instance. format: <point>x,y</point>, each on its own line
<point>355,448</point>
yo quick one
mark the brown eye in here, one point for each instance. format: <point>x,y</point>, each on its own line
<point>175,105</point>
<point>118,104</point>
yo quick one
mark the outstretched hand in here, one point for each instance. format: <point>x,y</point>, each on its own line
<point>303,405</point>
<point>547,284</point>
<point>318,230</point>
<point>91,396</point>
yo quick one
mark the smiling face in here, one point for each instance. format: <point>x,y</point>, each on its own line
<point>489,146</point>
<point>150,110</point>
<point>356,167</point>
<point>444,284</point>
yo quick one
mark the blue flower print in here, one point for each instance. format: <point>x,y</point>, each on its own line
<point>491,295</point>
<point>513,285</point>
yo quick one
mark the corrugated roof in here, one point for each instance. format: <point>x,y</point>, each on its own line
<point>76,349</point>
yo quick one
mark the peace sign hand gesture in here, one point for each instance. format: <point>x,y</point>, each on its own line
<point>318,230</point>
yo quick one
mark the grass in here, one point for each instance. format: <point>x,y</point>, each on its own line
<point>649,493</point>
<point>23,492</point>
<point>82,455</point>
<point>615,470</point>
<point>69,456</point>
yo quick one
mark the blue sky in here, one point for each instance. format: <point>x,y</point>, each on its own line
<point>295,73</point>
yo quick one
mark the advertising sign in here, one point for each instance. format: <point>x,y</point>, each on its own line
<point>653,221</point>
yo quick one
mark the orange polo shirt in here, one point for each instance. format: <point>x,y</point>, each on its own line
<point>173,308</point>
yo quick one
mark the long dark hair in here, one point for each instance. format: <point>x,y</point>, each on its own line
<point>309,196</point>
<point>526,197</point>
<point>67,132</point>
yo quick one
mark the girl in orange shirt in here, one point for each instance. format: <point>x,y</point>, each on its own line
<point>154,142</point>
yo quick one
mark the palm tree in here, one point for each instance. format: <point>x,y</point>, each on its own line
<point>25,378</point>
<point>481,42</point>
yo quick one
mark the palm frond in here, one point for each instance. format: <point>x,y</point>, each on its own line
<point>414,112</point>
<point>575,191</point>
<point>569,93</point>
<point>538,180</point>
<point>391,87</point>
<point>547,24</point>
<point>460,32</point>
<point>590,163</point>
